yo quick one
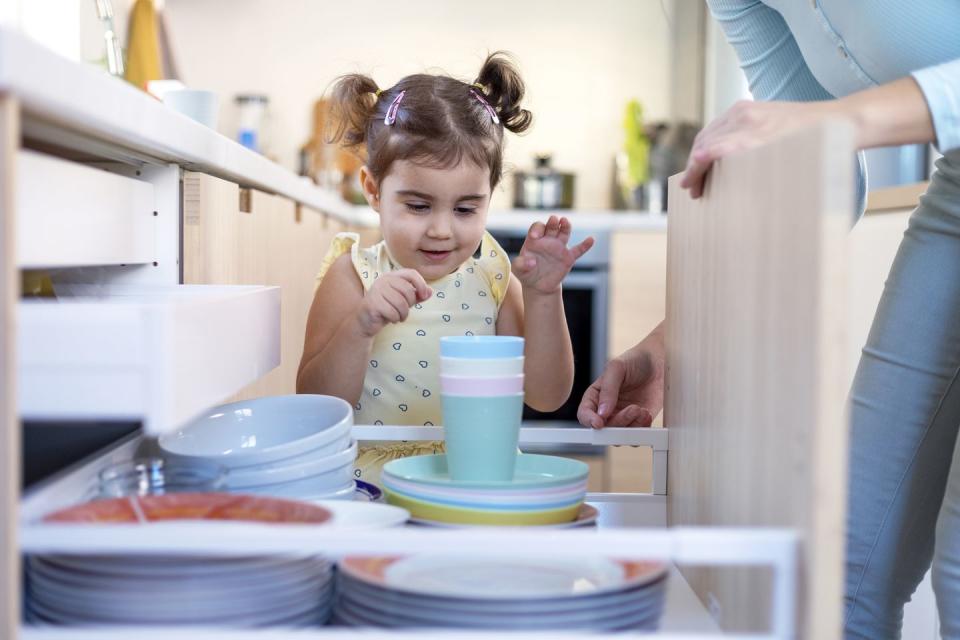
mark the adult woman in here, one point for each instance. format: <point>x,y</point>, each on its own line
<point>894,68</point>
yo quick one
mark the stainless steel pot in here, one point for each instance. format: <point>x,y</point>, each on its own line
<point>543,188</point>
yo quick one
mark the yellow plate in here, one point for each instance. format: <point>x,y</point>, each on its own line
<point>445,513</point>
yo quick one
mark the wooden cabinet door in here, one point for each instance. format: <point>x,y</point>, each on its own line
<point>755,390</point>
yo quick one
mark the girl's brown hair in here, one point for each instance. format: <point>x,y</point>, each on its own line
<point>440,120</point>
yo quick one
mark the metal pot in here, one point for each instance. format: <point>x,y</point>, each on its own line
<point>543,188</point>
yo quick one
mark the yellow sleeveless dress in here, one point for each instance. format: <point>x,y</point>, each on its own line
<point>402,382</point>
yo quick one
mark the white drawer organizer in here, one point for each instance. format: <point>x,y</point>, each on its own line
<point>172,351</point>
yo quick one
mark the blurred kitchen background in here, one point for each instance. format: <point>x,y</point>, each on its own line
<point>591,69</point>
<point>618,89</point>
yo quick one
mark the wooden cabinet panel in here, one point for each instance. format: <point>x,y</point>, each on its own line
<point>756,315</point>
<point>270,243</point>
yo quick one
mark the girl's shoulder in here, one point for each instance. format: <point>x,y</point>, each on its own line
<point>367,263</point>
<point>493,265</point>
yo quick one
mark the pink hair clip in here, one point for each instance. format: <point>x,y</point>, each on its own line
<point>391,116</point>
<point>486,105</point>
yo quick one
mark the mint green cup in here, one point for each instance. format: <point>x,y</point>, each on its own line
<point>482,435</point>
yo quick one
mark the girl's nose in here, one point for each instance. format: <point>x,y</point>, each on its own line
<point>439,226</point>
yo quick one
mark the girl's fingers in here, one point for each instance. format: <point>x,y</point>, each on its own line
<point>524,264</point>
<point>536,230</point>
<point>398,302</point>
<point>565,229</point>
<point>582,248</point>
<point>421,288</point>
<point>553,227</point>
<point>406,289</point>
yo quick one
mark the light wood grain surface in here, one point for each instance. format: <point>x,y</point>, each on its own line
<point>756,287</point>
<point>268,245</point>
<point>9,421</point>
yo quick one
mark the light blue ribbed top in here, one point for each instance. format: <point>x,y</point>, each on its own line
<point>802,50</point>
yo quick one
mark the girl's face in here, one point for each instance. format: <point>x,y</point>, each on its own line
<point>432,219</point>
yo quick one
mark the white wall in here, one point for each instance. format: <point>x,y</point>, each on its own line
<point>582,62</point>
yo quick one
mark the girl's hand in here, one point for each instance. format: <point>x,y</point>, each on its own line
<point>544,259</point>
<point>746,125</point>
<point>389,300</point>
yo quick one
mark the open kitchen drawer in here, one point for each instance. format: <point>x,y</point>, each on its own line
<point>156,353</point>
<point>630,525</point>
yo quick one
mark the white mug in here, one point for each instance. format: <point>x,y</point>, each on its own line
<point>198,104</point>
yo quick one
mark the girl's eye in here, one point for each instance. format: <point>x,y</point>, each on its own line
<point>465,211</point>
<point>417,207</point>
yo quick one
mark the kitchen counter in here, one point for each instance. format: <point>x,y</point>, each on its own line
<point>96,116</point>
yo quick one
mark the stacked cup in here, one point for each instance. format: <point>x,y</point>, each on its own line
<point>481,392</point>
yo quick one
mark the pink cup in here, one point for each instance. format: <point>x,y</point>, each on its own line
<point>481,386</point>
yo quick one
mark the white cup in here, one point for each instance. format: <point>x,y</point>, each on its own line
<point>198,104</point>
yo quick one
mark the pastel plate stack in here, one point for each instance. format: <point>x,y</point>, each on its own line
<point>474,593</point>
<point>295,446</point>
<point>545,490</point>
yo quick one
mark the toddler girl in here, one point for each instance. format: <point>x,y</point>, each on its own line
<point>433,147</point>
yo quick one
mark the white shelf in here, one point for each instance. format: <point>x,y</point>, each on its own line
<point>72,215</point>
<point>161,354</point>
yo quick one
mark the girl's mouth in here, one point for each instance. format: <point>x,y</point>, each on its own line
<point>436,256</point>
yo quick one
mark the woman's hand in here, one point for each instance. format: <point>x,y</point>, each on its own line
<point>891,114</point>
<point>545,260</point>
<point>746,125</point>
<point>390,298</point>
<point>630,391</point>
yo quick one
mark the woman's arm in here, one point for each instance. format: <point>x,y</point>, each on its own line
<point>336,348</point>
<point>548,355</point>
<point>891,114</point>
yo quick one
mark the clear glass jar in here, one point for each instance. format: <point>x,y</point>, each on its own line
<point>156,476</point>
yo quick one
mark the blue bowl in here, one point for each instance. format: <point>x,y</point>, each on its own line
<point>478,347</point>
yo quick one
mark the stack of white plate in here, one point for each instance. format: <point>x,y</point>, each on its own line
<point>120,590</point>
<point>475,593</point>
<point>295,446</point>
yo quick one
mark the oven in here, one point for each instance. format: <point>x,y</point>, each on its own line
<point>585,300</point>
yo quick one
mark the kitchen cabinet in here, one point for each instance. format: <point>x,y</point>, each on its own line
<point>244,237</point>
<point>755,396</point>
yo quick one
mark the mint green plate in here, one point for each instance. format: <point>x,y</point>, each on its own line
<point>533,471</point>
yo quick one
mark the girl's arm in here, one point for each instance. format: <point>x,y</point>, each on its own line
<point>343,323</point>
<point>335,349</point>
<point>534,299</point>
<point>548,356</point>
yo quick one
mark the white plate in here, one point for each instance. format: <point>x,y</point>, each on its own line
<point>535,578</point>
<point>362,515</point>
<point>445,607</point>
<point>159,577</point>
<point>170,604</point>
<point>158,607</point>
<point>644,617</point>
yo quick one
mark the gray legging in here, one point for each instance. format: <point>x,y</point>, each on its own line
<point>905,411</point>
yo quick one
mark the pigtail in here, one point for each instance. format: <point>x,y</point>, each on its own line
<point>353,104</point>
<point>503,87</point>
